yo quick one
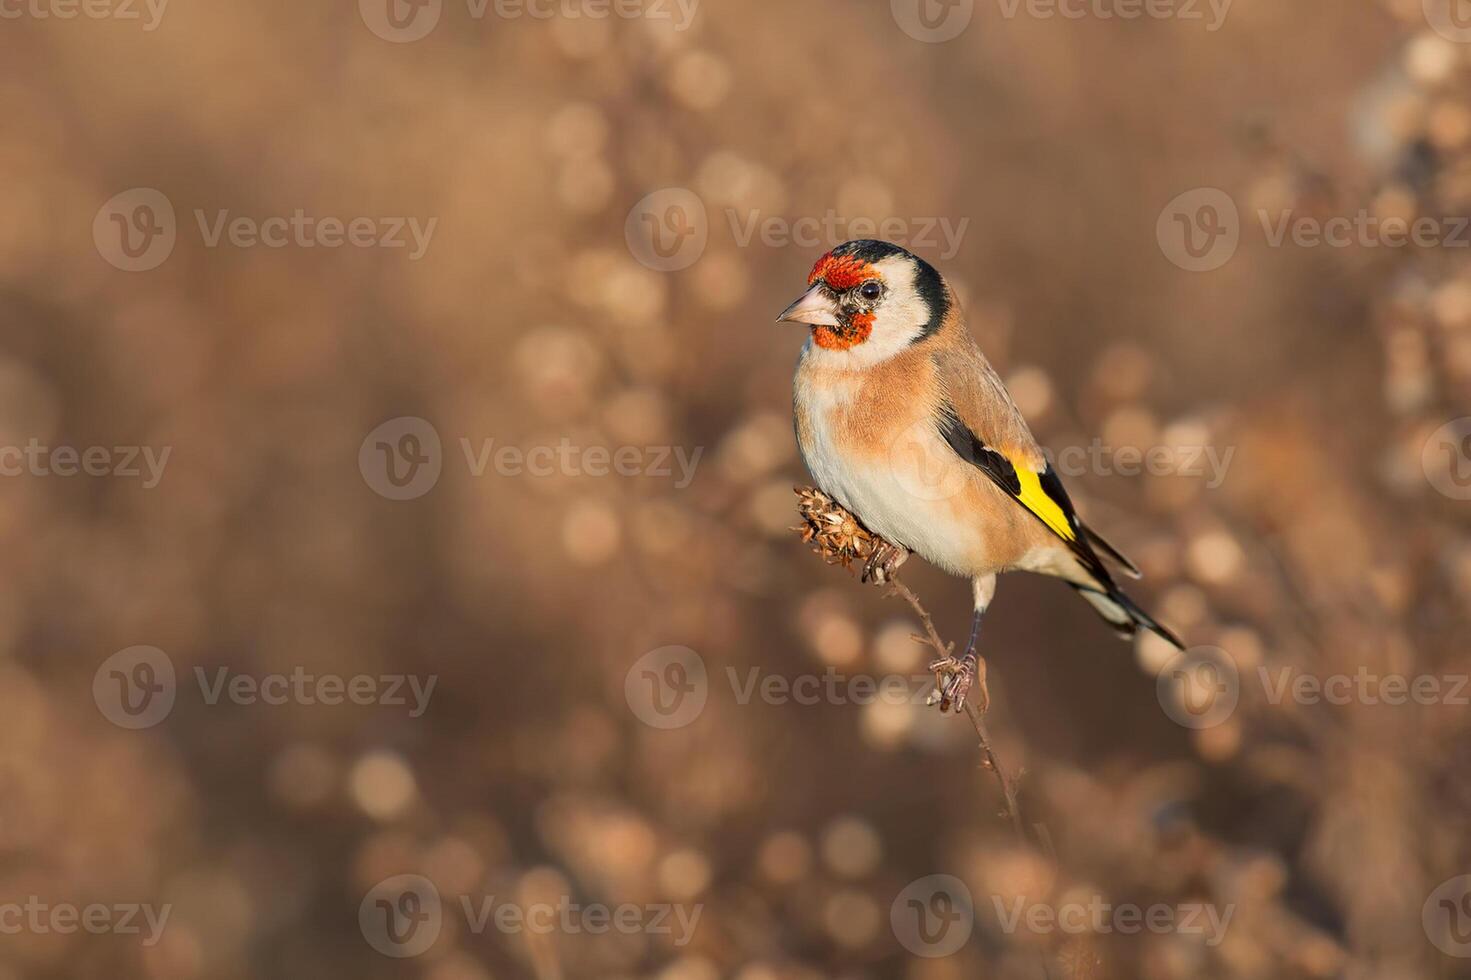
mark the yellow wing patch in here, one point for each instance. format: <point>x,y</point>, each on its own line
<point>1017,478</point>
<point>1035,499</point>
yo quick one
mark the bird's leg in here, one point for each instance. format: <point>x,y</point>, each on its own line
<point>884,562</point>
<point>956,675</point>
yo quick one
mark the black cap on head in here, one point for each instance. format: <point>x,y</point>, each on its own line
<point>871,250</point>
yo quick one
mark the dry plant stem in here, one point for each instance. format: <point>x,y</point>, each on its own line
<point>838,537</point>
<point>1008,787</point>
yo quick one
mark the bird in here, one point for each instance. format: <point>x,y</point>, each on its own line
<point>902,420</point>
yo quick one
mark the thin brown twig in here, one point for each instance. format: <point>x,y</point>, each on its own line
<point>840,538</point>
<point>977,720</point>
<point>992,761</point>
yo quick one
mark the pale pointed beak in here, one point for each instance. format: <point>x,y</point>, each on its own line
<point>815,307</point>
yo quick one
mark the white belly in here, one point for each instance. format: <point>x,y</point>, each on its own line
<point>910,487</point>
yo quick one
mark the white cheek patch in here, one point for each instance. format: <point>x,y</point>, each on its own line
<point>899,319</point>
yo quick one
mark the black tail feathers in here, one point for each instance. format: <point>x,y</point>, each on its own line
<point>1124,615</point>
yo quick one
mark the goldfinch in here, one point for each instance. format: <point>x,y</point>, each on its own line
<point>902,420</point>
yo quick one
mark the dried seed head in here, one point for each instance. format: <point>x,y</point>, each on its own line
<point>834,533</point>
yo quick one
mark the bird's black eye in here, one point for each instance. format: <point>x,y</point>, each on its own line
<point>870,290</point>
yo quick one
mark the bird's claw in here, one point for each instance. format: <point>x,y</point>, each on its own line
<point>883,563</point>
<point>954,679</point>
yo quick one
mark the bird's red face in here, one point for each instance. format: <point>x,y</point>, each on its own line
<point>839,306</point>
<point>840,273</point>
<point>868,300</point>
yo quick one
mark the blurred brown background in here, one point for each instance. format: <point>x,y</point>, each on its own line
<point>270,546</point>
